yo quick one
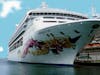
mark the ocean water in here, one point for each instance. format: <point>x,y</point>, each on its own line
<point>13,68</point>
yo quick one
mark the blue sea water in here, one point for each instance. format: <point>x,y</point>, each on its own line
<point>13,68</point>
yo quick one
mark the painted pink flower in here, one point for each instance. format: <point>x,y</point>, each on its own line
<point>29,43</point>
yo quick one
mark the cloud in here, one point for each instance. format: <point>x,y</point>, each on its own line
<point>8,6</point>
<point>1,49</point>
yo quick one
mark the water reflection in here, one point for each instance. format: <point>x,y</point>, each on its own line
<point>87,70</point>
<point>29,69</point>
<point>12,68</point>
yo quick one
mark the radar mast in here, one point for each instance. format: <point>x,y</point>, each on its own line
<point>44,5</point>
<point>94,12</point>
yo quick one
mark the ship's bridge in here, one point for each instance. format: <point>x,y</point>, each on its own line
<point>45,11</point>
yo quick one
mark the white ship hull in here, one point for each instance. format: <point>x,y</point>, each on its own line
<point>57,44</point>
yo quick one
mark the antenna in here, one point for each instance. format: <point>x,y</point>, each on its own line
<point>94,12</point>
<point>44,5</point>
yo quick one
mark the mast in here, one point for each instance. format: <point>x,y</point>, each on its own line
<point>44,5</point>
<point>94,15</point>
<point>93,10</point>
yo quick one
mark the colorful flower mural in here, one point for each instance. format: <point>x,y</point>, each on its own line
<point>55,45</point>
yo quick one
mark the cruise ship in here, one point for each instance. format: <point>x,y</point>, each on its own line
<point>51,36</point>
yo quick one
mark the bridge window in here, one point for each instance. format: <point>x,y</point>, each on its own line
<point>49,21</point>
<point>48,17</point>
<point>60,17</point>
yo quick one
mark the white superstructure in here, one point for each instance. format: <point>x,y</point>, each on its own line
<point>51,36</point>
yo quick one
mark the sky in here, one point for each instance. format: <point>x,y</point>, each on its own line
<point>13,11</point>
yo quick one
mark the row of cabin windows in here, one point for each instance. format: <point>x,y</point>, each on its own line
<point>54,21</point>
<point>16,44</point>
<point>17,37</point>
<point>70,18</point>
<point>58,14</point>
<point>91,50</point>
<point>48,17</point>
